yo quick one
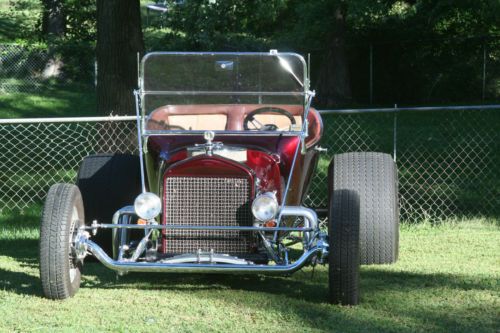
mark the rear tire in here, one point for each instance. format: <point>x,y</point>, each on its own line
<point>373,176</point>
<point>108,182</point>
<point>60,272</point>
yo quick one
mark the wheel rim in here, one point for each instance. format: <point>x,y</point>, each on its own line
<point>73,267</point>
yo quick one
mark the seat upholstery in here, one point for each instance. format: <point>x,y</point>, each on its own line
<point>198,122</point>
<point>229,117</point>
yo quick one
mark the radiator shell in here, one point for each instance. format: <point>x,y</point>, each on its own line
<point>208,190</point>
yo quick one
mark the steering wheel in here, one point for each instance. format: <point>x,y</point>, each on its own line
<point>250,118</point>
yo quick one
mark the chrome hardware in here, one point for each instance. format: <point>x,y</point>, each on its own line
<point>209,145</point>
<point>94,227</point>
<point>233,153</point>
<point>80,246</point>
<point>141,247</point>
<point>320,149</point>
<point>127,266</point>
<point>276,158</point>
<point>205,257</point>
<point>322,244</point>
<point>315,245</point>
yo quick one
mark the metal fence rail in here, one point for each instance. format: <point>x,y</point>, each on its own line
<point>448,157</point>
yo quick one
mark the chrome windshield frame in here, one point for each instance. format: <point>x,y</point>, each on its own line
<point>302,133</point>
<point>141,93</point>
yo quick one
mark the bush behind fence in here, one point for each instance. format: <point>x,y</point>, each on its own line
<point>27,69</point>
<point>447,160</point>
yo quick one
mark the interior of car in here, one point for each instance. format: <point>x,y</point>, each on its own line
<point>234,117</point>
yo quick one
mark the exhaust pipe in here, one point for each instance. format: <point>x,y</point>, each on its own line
<point>125,267</point>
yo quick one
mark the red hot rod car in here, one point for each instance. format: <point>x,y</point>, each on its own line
<point>228,145</point>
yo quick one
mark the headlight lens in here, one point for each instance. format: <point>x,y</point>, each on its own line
<point>147,205</point>
<point>265,207</point>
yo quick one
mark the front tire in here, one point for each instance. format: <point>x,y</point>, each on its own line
<point>343,259</point>
<point>63,214</point>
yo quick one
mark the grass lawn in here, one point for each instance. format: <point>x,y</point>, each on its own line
<point>50,101</point>
<point>446,280</point>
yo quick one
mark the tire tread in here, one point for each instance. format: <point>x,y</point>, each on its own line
<point>54,238</point>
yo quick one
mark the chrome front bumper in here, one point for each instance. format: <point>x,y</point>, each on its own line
<point>125,267</point>
<point>312,245</point>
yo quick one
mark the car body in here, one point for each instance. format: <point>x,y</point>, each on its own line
<point>208,162</point>
<point>228,145</point>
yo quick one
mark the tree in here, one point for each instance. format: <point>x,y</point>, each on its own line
<point>119,40</point>
<point>334,86</point>
<point>53,18</point>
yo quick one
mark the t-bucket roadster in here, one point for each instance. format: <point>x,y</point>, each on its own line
<point>228,144</point>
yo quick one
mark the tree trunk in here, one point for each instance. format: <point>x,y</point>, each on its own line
<point>53,18</point>
<point>334,86</point>
<point>119,39</point>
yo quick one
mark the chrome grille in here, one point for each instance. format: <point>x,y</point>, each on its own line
<point>212,201</point>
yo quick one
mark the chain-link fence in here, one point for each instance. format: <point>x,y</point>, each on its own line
<point>35,155</point>
<point>22,68</point>
<point>448,160</point>
<point>30,68</point>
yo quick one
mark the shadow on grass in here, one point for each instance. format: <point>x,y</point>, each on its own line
<point>20,283</point>
<point>24,251</point>
<point>390,300</point>
<point>25,254</point>
<point>301,285</point>
<point>385,294</point>
<point>50,100</point>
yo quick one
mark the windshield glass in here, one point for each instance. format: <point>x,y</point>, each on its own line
<point>223,92</point>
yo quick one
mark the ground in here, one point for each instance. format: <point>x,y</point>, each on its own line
<point>445,281</point>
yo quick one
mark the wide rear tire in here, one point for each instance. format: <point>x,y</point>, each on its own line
<point>107,182</point>
<point>373,176</point>
<point>60,272</point>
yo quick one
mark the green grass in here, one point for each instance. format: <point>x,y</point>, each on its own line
<point>50,101</point>
<point>445,281</point>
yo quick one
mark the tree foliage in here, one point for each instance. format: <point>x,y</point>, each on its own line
<point>423,51</point>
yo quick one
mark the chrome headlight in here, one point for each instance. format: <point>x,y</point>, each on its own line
<point>265,207</point>
<point>147,205</point>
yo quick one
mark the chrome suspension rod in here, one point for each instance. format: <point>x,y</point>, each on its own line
<point>124,266</point>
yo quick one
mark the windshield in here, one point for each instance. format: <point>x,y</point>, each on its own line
<point>255,92</point>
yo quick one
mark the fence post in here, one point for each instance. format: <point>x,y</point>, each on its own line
<point>484,71</point>
<point>395,133</point>
<point>371,74</point>
<point>95,72</point>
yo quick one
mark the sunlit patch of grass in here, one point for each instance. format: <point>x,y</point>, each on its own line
<point>49,101</point>
<point>446,280</point>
